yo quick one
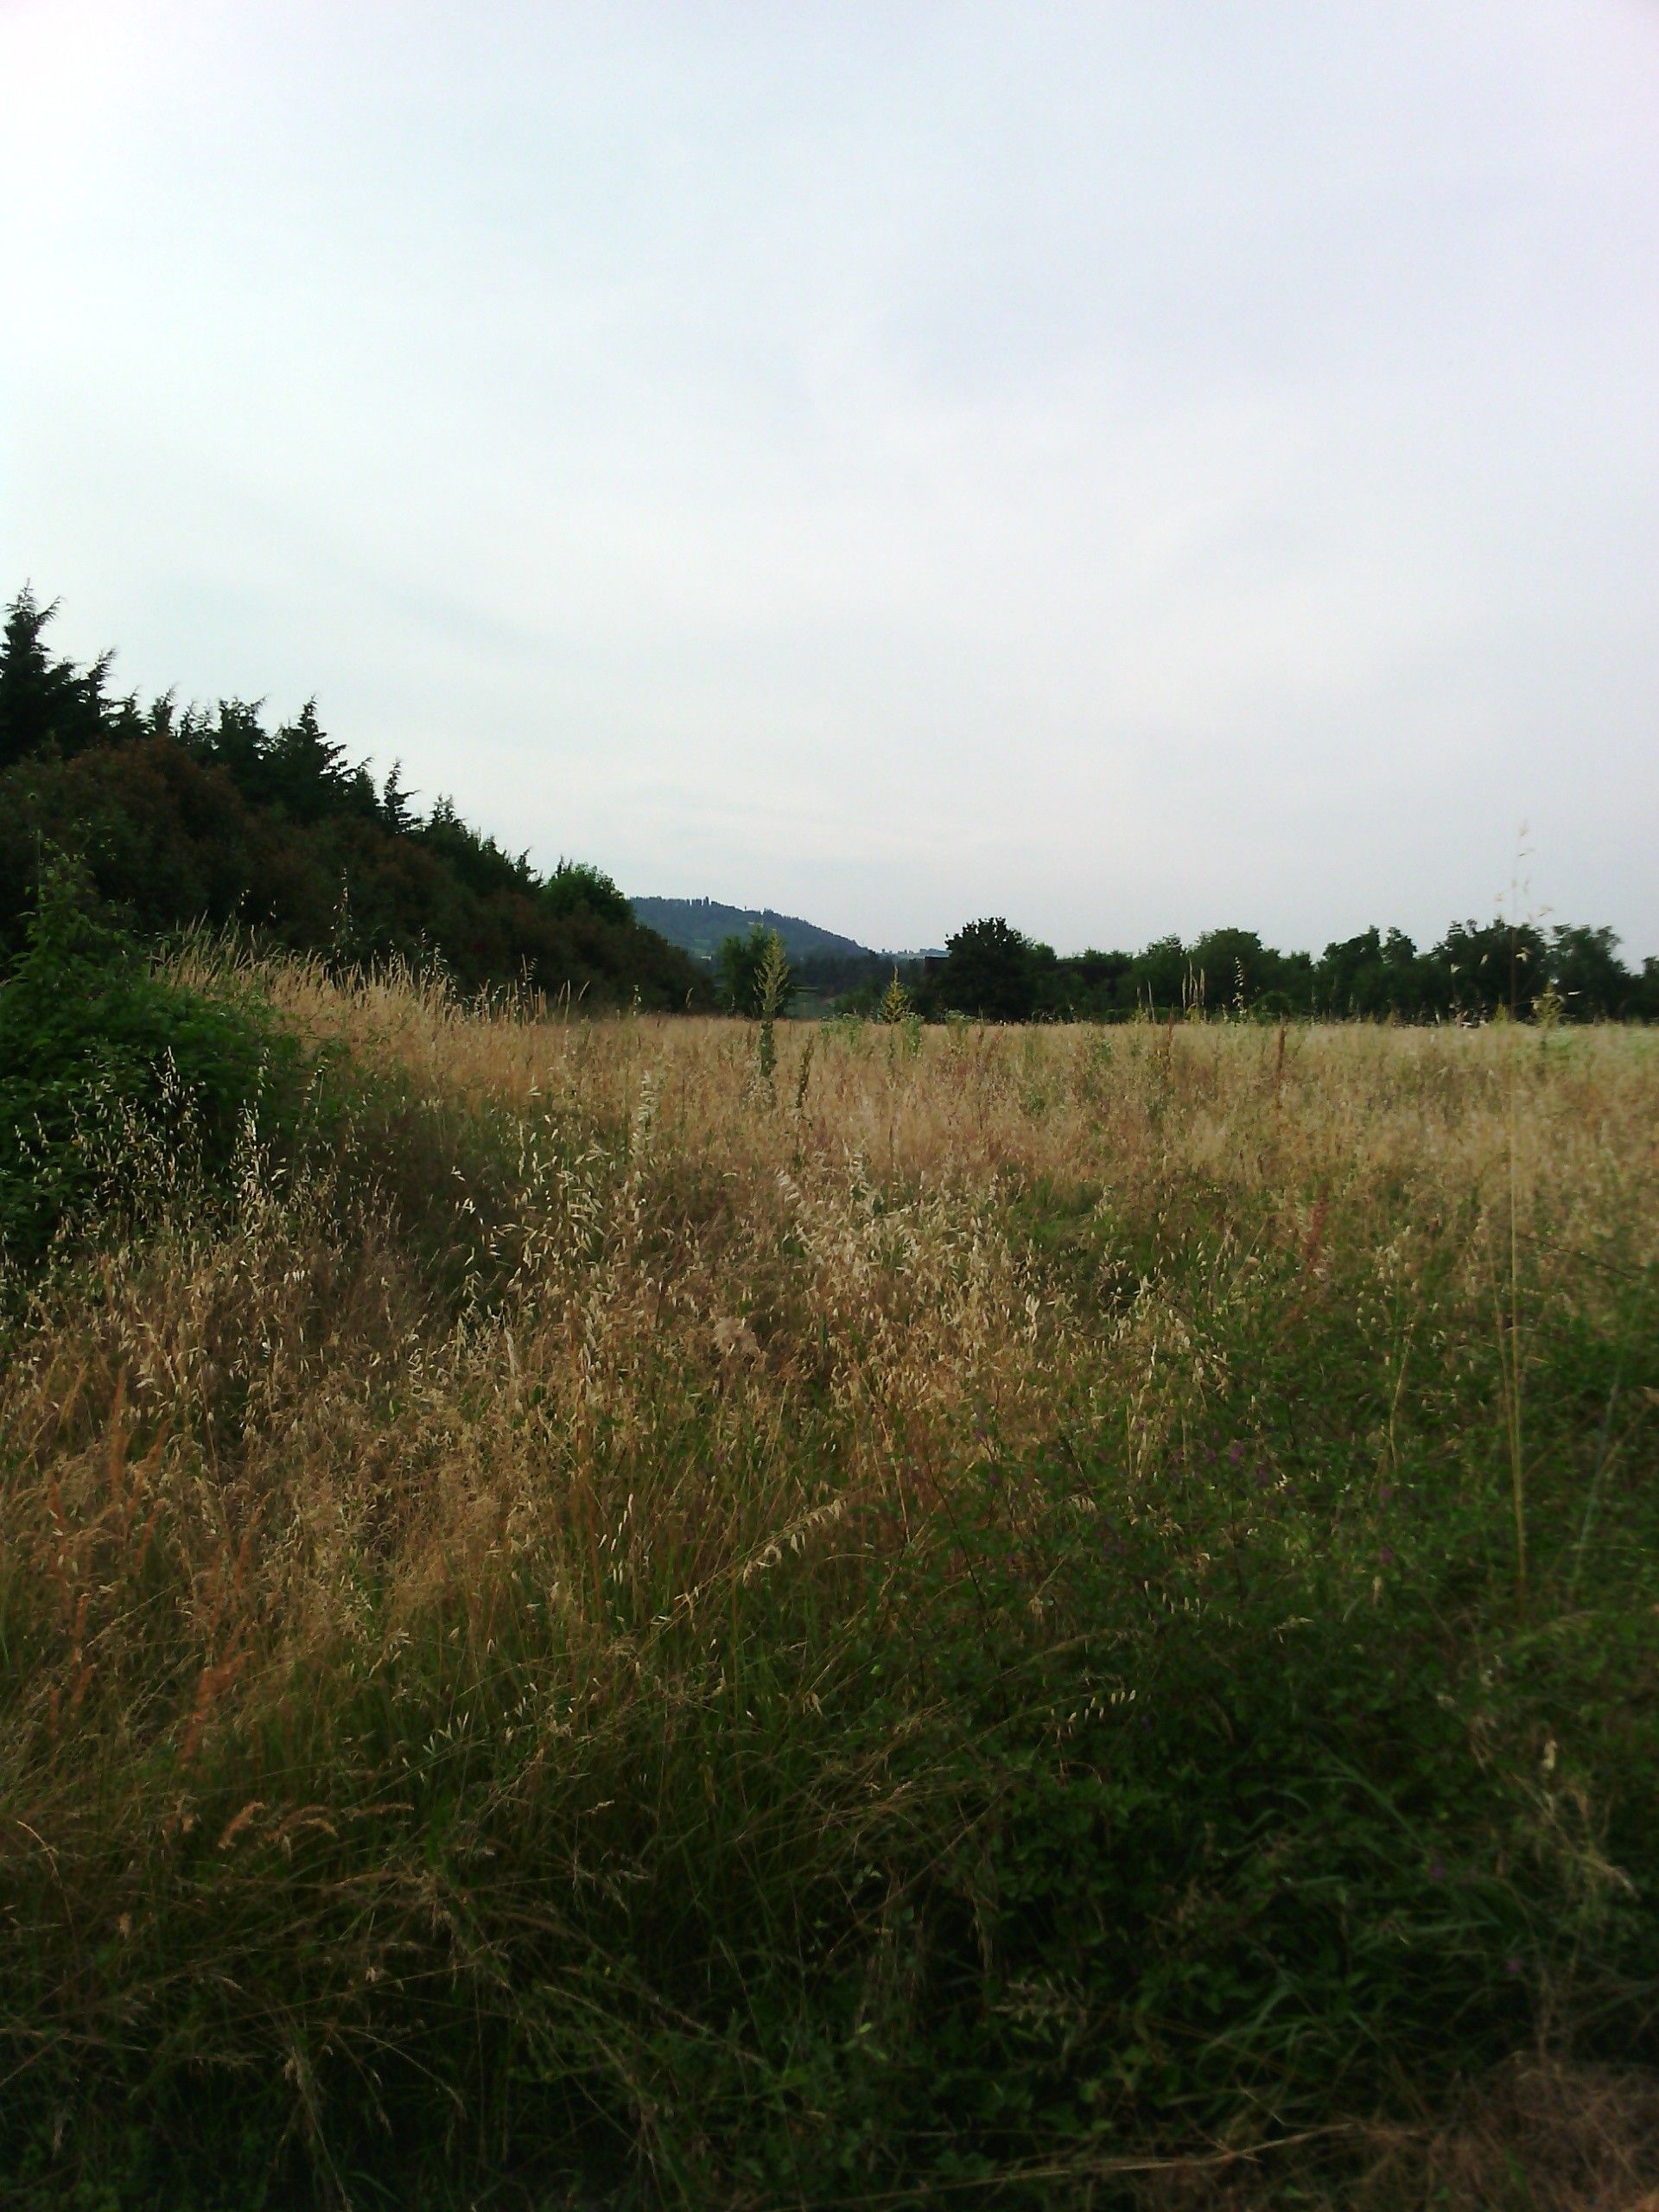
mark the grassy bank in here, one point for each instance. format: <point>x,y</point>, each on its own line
<point>994,1618</point>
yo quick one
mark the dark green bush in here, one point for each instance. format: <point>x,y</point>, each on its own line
<point>114,1082</point>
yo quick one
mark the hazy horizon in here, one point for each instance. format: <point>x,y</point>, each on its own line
<point>1135,473</point>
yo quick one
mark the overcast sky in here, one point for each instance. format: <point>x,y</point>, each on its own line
<point>1131,467</point>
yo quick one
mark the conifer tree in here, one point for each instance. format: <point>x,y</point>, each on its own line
<point>44,705</point>
<point>396,811</point>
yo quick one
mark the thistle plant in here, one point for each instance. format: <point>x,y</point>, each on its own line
<point>895,1006</point>
<point>772,993</point>
<point>901,1019</point>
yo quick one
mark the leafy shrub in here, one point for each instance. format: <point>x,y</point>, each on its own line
<point>113,1081</point>
<point>574,887</point>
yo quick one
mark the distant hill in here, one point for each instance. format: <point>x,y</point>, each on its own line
<point>700,926</point>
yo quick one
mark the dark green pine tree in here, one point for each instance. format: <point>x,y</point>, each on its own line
<point>396,811</point>
<point>46,705</point>
<point>306,770</point>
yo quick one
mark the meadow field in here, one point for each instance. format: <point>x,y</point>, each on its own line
<point>1061,1616</point>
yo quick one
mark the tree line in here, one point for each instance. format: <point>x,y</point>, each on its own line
<point>993,972</point>
<point>1566,972</point>
<point>219,816</point>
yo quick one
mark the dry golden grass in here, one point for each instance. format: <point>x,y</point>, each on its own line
<point>677,1322</point>
<point>848,1270</point>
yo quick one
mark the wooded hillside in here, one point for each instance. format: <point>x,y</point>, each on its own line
<point>217,816</point>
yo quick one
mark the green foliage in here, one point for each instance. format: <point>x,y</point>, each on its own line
<point>106,1070</point>
<point>577,888</point>
<point>45,705</point>
<point>1372,974</point>
<point>395,809</point>
<point>897,1006</point>
<point>992,970</point>
<point>759,976</point>
<point>212,816</point>
<point>1583,967</point>
<point>216,817</point>
<point>1477,971</point>
<point>755,975</point>
<point>478,862</point>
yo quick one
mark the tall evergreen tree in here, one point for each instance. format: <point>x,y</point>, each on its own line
<point>396,811</point>
<point>46,705</point>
